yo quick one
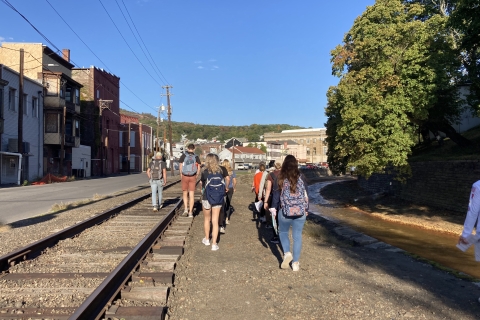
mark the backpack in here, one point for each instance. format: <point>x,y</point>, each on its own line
<point>156,169</point>
<point>215,189</point>
<point>189,165</point>
<point>294,204</point>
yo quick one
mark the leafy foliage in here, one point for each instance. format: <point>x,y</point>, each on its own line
<point>199,131</point>
<point>397,71</point>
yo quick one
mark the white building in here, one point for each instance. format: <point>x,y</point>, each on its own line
<point>82,161</point>
<point>32,161</point>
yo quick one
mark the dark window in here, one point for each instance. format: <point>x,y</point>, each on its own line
<point>68,127</point>
<point>51,123</point>
<point>1,103</point>
<point>68,94</point>
<point>77,128</point>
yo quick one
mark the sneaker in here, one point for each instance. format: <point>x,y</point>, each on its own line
<point>227,221</point>
<point>190,214</point>
<point>155,209</point>
<point>287,257</point>
<point>296,266</point>
<point>215,247</point>
<point>185,212</point>
<point>206,241</point>
<point>274,240</point>
<point>160,206</point>
<point>222,230</point>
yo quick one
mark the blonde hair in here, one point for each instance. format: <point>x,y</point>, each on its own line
<point>277,165</point>
<point>211,163</point>
<point>227,166</point>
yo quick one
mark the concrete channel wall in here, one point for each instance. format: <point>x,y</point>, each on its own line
<point>442,184</point>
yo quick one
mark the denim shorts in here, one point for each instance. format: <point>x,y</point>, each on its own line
<point>207,205</point>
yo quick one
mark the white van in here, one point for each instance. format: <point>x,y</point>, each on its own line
<point>240,166</point>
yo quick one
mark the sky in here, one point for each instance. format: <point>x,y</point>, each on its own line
<point>229,63</point>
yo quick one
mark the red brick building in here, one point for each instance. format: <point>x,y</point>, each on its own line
<point>100,120</point>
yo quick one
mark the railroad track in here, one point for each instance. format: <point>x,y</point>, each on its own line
<point>118,264</point>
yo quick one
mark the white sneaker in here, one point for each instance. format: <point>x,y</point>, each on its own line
<point>296,266</point>
<point>160,206</point>
<point>287,257</point>
<point>227,221</point>
<point>190,214</point>
<point>206,241</point>
<point>222,230</point>
<point>185,212</point>
<point>215,247</point>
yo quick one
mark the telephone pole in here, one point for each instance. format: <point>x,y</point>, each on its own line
<point>169,113</point>
<point>104,104</point>
<point>20,113</point>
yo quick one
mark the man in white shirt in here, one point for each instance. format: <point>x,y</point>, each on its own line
<point>472,214</point>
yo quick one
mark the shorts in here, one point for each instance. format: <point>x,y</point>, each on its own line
<point>207,205</point>
<point>188,183</point>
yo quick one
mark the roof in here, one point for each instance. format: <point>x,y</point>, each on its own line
<point>303,130</point>
<point>247,150</point>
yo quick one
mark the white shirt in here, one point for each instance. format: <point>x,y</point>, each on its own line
<point>473,211</point>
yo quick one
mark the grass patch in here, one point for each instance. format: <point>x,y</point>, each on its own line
<point>321,233</point>
<point>4,228</point>
<point>455,273</point>
<point>449,150</point>
<point>58,207</point>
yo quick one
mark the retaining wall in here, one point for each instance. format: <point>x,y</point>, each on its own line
<point>443,184</point>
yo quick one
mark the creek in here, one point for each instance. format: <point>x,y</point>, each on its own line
<point>434,246</point>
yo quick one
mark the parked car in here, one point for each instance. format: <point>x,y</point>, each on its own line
<point>240,166</point>
<point>246,166</point>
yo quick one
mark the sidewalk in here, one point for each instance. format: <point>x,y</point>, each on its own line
<point>338,279</point>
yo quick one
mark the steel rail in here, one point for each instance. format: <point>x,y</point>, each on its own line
<point>34,249</point>
<point>97,303</point>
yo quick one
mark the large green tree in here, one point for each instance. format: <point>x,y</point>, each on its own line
<point>397,71</point>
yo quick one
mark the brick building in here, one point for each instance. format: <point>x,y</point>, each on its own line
<point>134,158</point>
<point>100,121</point>
<point>312,139</point>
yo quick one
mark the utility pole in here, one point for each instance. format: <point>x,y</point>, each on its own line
<point>169,112</point>
<point>20,112</point>
<point>102,105</point>
<point>62,141</point>
<point>159,119</point>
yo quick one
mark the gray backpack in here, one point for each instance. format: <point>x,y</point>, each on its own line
<point>156,169</point>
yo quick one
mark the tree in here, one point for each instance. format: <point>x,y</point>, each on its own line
<point>397,69</point>
<point>465,19</point>
<point>263,148</point>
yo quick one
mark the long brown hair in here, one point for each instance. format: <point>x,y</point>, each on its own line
<point>211,163</point>
<point>290,172</point>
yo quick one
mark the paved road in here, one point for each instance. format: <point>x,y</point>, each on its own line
<point>20,203</point>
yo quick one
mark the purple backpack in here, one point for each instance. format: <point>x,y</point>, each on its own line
<point>294,204</point>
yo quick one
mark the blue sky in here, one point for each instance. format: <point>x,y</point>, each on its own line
<point>229,62</point>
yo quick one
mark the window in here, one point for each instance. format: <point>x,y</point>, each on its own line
<point>308,140</point>
<point>11,100</point>
<point>25,105</point>
<point>132,139</point>
<point>34,107</point>
<point>1,103</point>
<point>315,140</point>
<point>98,94</point>
<point>314,151</point>
<point>51,123</point>
<point>120,138</point>
<point>77,96</point>
<point>77,128</point>
<point>68,127</point>
<point>68,94</point>
<point>308,151</point>
<point>325,150</point>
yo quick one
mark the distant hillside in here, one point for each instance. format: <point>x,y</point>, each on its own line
<point>202,131</point>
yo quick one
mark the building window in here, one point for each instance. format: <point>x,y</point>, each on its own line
<point>77,128</point>
<point>308,140</point>
<point>51,123</point>
<point>11,100</point>
<point>308,151</point>
<point>315,140</point>
<point>132,139</point>
<point>77,96</point>
<point>25,105</point>
<point>120,138</point>
<point>314,151</point>
<point>98,94</point>
<point>34,107</point>
<point>1,103</point>
<point>325,150</point>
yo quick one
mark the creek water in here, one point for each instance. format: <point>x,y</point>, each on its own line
<point>434,246</point>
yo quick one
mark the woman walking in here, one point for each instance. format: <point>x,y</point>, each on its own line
<point>214,181</point>
<point>293,210</point>
<point>231,189</point>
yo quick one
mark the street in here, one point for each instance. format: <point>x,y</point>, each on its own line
<point>20,203</point>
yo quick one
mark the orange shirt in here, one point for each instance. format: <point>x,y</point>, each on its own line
<point>257,178</point>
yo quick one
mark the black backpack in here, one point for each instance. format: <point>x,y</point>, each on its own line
<point>274,192</point>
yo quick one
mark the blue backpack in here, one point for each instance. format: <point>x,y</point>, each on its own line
<point>189,165</point>
<point>294,204</point>
<point>215,189</point>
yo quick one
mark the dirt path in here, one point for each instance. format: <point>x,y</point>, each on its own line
<point>337,280</point>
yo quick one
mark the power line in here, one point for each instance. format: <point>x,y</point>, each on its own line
<point>127,43</point>
<point>144,42</point>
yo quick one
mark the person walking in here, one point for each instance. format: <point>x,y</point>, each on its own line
<point>227,208</point>
<point>473,214</point>
<point>257,186</point>
<point>214,180</point>
<point>272,190</point>
<point>157,177</point>
<point>293,210</point>
<point>190,170</point>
